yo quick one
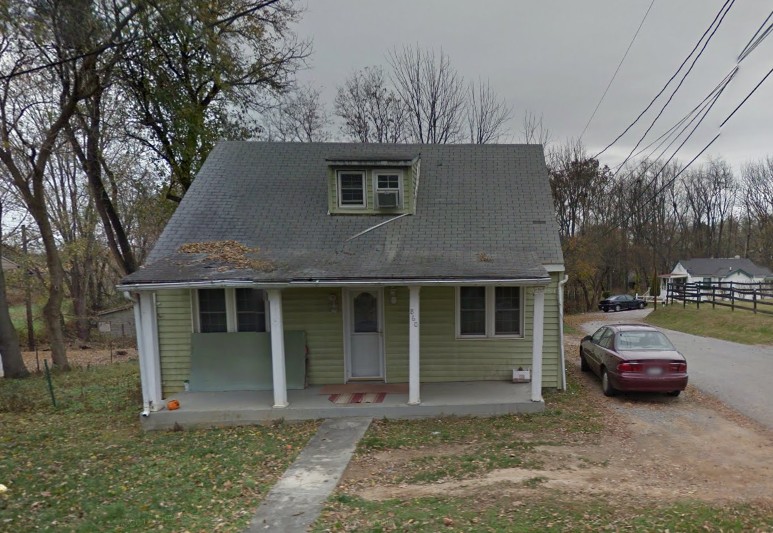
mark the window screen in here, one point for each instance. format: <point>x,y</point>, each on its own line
<point>472,310</point>
<point>352,188</point>
<point>250,310</point>
<point>212,311</point>
<point>507,312</point>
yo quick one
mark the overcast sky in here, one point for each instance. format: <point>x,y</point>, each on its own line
<point>555,58</point>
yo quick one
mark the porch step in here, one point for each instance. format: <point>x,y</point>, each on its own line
<point>298,497</point>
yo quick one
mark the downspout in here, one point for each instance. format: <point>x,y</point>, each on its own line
<point>140,337</point>
<point>562,361</point>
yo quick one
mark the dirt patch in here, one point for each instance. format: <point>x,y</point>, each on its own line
<point>81,357</point>
<point>653,448</point>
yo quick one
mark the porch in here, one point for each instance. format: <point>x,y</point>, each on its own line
<point>236,408</point>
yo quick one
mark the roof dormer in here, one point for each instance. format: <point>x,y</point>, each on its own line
<point>372,185</point>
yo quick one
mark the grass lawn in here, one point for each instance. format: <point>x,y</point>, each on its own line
<point>86,465</point>
<point>448,449</point>
<point>19,319</point>
<point>722,323</point>
<point>571,330</point>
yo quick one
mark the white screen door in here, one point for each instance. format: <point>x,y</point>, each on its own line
<point>365,360</point>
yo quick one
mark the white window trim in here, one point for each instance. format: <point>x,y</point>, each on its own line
<point>490,316</point>
<point>364,203</point>
<point>376,189</point>
<point>231,316</point>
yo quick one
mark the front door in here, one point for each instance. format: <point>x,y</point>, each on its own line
<point>365,355</point>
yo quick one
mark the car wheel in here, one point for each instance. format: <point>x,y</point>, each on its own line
<point>617,307</point>
<point>606,386</point>
<point>673,393</point>
<point>605,309</point>
<point>584,364</point>
<point>641,305</point>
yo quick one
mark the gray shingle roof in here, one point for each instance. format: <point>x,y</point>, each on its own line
<point>721,267</point>
<point>472,199</point>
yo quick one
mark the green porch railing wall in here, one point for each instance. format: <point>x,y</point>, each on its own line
<point>242,361</point>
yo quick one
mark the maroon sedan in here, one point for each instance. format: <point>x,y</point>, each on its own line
<point>634,357</point>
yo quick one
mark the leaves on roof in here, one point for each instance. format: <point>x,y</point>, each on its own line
<point>232,254</point>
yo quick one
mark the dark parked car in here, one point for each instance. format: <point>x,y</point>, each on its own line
<point>621,302</point>
<point>634,357</point>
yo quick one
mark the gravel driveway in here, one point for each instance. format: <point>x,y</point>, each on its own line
<point>737,374</point>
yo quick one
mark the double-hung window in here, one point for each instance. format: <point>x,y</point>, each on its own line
<point>489,312</point>
<point>230,310</point>
<point>388,186</point>
<point>351,188</point>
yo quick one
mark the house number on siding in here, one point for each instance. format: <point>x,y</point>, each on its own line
<point>414,320</point>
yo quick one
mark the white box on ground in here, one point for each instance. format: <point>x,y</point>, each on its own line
<point>521,376</point>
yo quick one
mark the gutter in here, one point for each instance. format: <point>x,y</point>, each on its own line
<point>507,282</point>
<point>140,338</point>
<point>562,361</point>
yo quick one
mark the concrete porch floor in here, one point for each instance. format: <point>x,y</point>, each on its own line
<point>473,398</point>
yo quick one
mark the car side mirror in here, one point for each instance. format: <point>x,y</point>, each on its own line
<point>587,338</point>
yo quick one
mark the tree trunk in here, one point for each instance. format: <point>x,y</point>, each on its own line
<point>52,310</point>
<point>12,361</point>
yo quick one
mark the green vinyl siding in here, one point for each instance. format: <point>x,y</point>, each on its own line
<point>318,313</point>
<point>309,310</point>
<point>443,357</point>
<point>173,315</point>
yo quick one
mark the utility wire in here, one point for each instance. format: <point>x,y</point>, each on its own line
<point>674,178</point>
<point>616,70</point>
<point>676,89</point>
<point>749,47</point>
<point>747,97</point>
<point>686,59</point>
<point>694,111</point>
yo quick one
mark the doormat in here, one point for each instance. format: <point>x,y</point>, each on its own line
<point>365,387</point>
<point>357,398</point>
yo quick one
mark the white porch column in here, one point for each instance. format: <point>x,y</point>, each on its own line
<point>147,346</point>
<point>278,347</point>
<point>538,335</point>
<point>413,347</point>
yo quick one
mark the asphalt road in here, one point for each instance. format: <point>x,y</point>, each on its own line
<point>737,374</point>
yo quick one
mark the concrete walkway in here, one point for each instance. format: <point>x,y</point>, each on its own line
<point>299,495</point>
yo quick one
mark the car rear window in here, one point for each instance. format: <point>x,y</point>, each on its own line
<point>643,340</point>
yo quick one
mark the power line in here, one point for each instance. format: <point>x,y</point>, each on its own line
<point>697,109</point>
<point>729,116</point>
<point>749,47</point>
<point>719,14</point>
<point>747,97</point>
<point>676,89</point>
<point>616,70</point>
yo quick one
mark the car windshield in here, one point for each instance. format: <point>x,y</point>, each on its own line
<point>643,340</point>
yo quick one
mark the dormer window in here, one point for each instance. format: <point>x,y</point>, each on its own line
<point>388,187</point>
<point>372,185</point>
<point>351,188</point>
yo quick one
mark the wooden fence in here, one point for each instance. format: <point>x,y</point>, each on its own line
<point>755,297</point>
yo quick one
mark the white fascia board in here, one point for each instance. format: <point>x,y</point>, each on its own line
<point>502,282</point>
<point>557,267</point>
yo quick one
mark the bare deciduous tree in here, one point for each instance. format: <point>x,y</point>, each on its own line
<point>433,93</point>
<point>534,130</point>
<point>300,116</point>
<point>371,112</point>
<point>487,115</point>
<point>758,207</point>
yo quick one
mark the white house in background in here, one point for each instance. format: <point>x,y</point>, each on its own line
<point>711,270</point>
